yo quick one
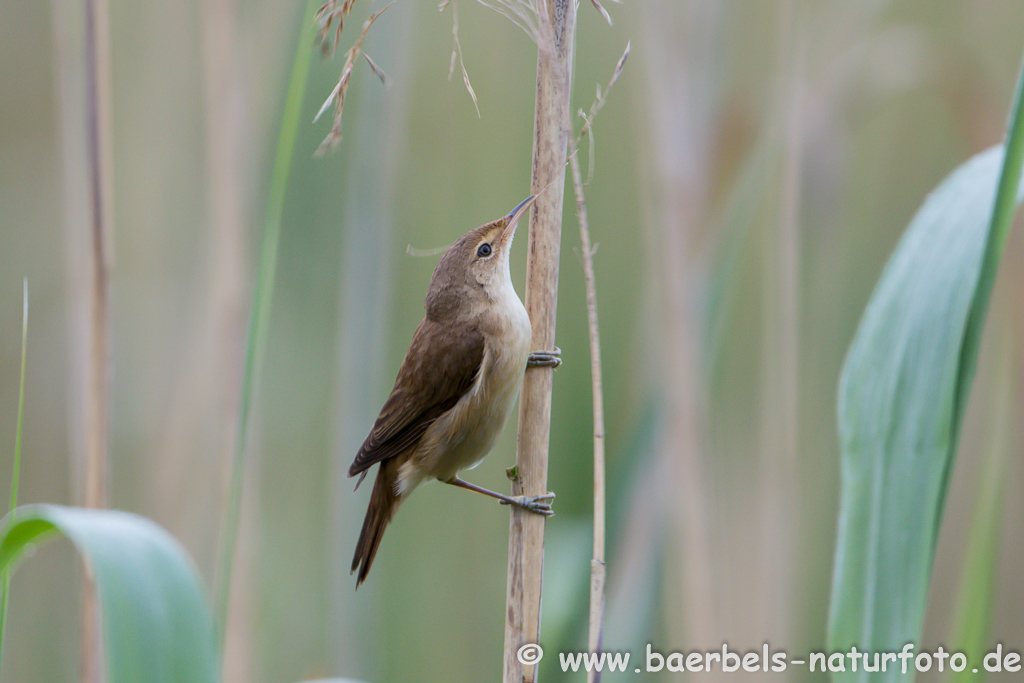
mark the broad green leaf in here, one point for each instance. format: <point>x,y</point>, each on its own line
<point>902,395</point>
<point>156,625</point>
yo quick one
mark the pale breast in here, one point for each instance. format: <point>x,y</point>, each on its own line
<point>463,436</point>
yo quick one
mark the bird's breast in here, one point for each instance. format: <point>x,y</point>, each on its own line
<point>463,436</point>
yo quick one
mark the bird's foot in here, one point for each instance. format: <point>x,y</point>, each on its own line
<point>535,504</point>
<point>545,359</point>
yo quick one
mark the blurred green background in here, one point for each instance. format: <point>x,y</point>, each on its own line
<point>754,167</point>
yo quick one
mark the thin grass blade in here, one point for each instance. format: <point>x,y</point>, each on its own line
<point>260,316</point>
<point>5,577</point>
<point>974,610</point>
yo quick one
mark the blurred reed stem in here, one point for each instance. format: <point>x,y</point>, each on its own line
<point>96,467</point>
<point>212,363</point>
<point>780,389</point>
<point>98,146</point>
<point>198,425</point>
<point>684,106</point>
<point>555,52</point>
<point>260,315</point>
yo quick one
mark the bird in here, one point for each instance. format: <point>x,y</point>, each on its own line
<point>456,386</point>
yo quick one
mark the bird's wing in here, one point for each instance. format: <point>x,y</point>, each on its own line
<point>438,370</point>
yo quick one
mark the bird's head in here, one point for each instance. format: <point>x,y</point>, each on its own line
<point>476,267</point>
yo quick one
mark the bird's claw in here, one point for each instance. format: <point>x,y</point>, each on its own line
<point>533,504</point>
<point>545,359</point>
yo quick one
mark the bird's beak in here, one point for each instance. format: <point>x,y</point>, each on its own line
<point>513,217</point>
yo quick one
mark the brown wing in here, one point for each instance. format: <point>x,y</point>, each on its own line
<point>439,368</point>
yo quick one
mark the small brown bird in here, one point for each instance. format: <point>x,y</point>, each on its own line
<point>457,384</point>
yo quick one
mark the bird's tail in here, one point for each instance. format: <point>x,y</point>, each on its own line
<point>383,504</point>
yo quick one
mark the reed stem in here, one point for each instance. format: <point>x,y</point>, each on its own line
<point>555,49</point>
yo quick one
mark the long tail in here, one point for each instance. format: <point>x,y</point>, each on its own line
<point>383,504</point>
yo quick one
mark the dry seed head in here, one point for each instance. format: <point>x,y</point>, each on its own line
<point>603,11</point>
<point>522,13</point>
<point>602,96</point>
<point>337,96</point>
<point>457,53</point>
<point>324,16</point>
<point>588,118</point>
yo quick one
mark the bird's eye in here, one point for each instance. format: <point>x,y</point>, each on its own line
<point>483,250</point>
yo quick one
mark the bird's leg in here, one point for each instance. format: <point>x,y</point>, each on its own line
<point>534,504</point>
<point>545,359</point>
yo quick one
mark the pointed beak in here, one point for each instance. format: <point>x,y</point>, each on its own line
<point>514,216</point>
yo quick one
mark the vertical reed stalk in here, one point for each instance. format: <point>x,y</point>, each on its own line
<point>212,374</point>
<point>597,564</point>
<point>97,92</point>
<point>96,470</point>
<point>685,113</point>
<point>555,49</point>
